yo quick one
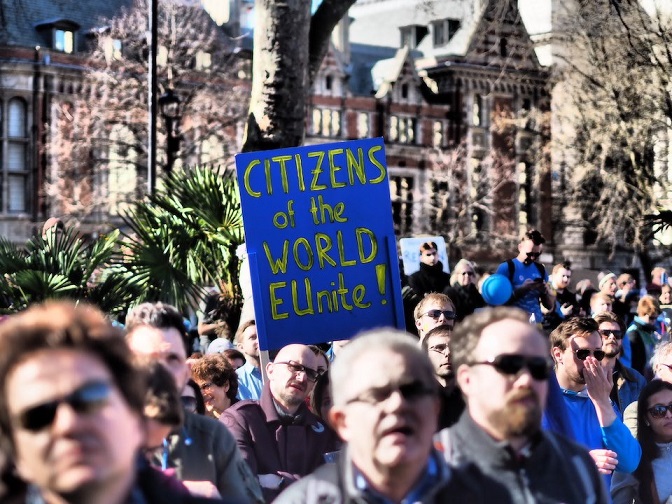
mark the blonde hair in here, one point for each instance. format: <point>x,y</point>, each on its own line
<point>457,270</point>
<point>648,305</point>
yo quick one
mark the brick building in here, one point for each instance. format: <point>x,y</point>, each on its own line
<point>456,91</point>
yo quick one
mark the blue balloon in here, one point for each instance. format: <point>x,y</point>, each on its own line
<point>496,290</point>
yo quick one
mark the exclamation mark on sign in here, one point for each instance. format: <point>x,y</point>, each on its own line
<point>380,276</point>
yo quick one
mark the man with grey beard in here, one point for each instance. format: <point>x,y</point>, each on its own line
<point>502,367</point>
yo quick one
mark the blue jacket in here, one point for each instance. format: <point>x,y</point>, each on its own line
<point>629,384</point>
<point>588,432</point>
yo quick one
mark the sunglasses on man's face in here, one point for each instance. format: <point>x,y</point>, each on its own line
<point>583,353</point>
<point>435,314</point>
<point>86,400</point>
<point>411,392</point>
<point>513,364</point>
<point>610,332</point>
<point>659,410</point>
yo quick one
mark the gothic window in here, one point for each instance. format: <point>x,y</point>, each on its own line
<point>440,204</point>
<point>402,129</point>
<point>444,30</point>
<point>64,40</point>
<point>15,146</point>
<point>478,111</point>
<point>363,125</point>
<point>503,47</point>
<point>401,193</point>
<point>212,151</point>
<point>437,134</point>
<point>326,122</point>
<point>122,176</point>
<point>203,61</point>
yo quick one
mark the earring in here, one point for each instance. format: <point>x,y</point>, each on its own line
<point>646,422</point>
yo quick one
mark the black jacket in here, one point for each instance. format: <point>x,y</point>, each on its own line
<point>334,484</point>
<point>429,279</point>
<point>554,469</point>
<point>466,299</point>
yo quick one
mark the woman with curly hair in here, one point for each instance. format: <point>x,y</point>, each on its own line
<point>218,381</point>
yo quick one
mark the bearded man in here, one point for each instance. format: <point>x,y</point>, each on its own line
<point>502,366</point>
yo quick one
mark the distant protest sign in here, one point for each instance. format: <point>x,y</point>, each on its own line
<point>410,252</point>
<point>320,241</point>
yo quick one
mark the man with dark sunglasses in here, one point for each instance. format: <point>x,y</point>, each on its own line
<point>595,420</point>
<point>627,382</point>
<point>528,277</point>
<point>433,310</point>
<point>502,366</point>
<point>279,437</point>
<point>71,410</point>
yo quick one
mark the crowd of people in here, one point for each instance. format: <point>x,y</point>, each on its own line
<point>553,396</point>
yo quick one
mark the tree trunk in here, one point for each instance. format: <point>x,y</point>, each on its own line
<point>289,47</point>
<point>279,75</point>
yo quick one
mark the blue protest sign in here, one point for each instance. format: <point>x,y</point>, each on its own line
<point>320,241</point>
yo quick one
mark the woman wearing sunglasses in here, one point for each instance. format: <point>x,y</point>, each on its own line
<point>651,483</point>
<point>463,291</point>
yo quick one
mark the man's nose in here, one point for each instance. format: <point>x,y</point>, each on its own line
<point>66,419</point>
<point>394,401</point>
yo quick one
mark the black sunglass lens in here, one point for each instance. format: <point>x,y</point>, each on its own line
<point>539,368</point>
<point>413,390</point>
<point>37,418</point>
<point>582,354</point>
<point>598,354</point>
<point>658,411</point>
<point>510,364</point>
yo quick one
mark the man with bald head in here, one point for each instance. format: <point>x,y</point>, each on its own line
<point>279,437</point>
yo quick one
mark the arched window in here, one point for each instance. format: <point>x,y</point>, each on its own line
<point>16,168</point>
<point>122,177</point>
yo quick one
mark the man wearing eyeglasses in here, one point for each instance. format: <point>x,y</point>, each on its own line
<point>385,408</point>
<point>433,310</point>
<point>435,344</point>
<point>280,439</point>
<point>71,410</point>
<point>627,382</point>
<point>528,277</point>
<point>595,420</point>
<point>502,366</point>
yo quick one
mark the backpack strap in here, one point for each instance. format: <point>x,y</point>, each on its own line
<point>512,268</point>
